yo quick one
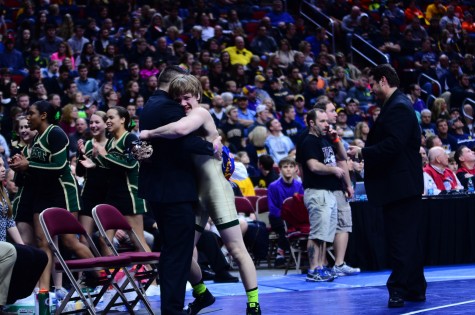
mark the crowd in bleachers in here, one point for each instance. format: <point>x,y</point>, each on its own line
<point>261,68</point>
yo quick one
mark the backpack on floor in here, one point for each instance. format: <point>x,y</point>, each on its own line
<point>257,239</point>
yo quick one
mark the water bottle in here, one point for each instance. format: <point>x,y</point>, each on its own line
<point>430,187</point>
<point>42,302</point>
<point>470,187</point>
<point>447,185</point>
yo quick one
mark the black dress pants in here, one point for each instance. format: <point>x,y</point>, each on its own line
<point>176,225</point>
<point>403,223</point>
<point>30,264</point>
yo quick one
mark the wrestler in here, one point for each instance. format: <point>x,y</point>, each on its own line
<point>216,195</point>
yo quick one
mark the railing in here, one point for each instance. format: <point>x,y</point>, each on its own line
<point>314,15</point>
<point>432,81</point>
<point>364,49</point>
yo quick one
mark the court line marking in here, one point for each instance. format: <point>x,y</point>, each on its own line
<point>439,307</point>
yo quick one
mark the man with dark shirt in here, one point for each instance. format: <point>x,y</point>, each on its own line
<point>290,127</point>
<point>321,177</point>
<point>233,130</point>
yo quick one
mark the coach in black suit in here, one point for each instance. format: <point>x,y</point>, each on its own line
<point>393,180</point>
<point>167,182</point>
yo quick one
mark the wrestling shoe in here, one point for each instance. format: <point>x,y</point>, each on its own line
<point>319,275</point>
<point>201,301</point>
<point>253,308</point>
<point>345,270</point>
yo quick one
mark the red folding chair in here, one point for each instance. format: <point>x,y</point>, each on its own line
<point>108,218</point>
<point>297,227</point>
<point>58,221</point>
<point>243,205</point>
<point>253,200</point>
<point>261,192</point>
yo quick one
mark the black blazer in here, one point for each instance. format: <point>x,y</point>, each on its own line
<point>392,163</point>
<point>169,175</point>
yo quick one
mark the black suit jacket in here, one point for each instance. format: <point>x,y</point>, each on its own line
<point>392,163</point>
<point>169,175</point>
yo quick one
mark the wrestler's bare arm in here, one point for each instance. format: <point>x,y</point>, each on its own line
<point>196,118</point>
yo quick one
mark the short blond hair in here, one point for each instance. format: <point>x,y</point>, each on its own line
<point>184,84</point>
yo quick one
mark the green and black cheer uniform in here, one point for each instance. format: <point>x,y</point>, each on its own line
<point>49,181</point>
<point>123,176</point>
<point>95,184</point>
<point>22,204</point>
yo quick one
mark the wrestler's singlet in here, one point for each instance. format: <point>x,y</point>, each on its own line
<point>215,192</point>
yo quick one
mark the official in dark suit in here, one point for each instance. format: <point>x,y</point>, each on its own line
<point>167,182</point>
<point>393,180</point>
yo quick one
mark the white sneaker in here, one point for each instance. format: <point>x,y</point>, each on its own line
<point>345,270</point>
<point>153,290</point>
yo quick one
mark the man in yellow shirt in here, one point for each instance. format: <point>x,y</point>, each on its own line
<point>238,53</point>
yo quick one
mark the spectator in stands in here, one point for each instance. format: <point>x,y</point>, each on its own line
<point>279,145</point>
<point>353,112</point>
<point>450,80</point>
<point>141,51</point>
<point>433,141</point>
<point>365,28</point>
<point>350,21</point>
<point>238,53</point>
<point>449,142</point>
<point>300,110</point>
<point>277,191</point>
<point>278,14</point>
<point>394,14</point>
<point>290,127</point>
<point>435,11</point>
<point>459,93</point>
<point>425,54</point>
<point>341,121</point>
<point>250,91</point>
<point>12,59</point>
<point>49,44</point>
<point>233,130</point>
<point>88,86</point>
<point>77,41</point>
<point>317,40</point>
<point>352,72</point>
<point>442,67</point>
<point>285,52</point>
<point>268,174</point>
<point>195,43</point>
<point>295,81</point>
<point>173,19</point>
<point>440,109</point>
<point>413,12</point>
<point>386,42</point>
<point>245,115</point>
<point>419,33</point>
<point>262,44</point>
<point>35,58</point>
<point>450,18</point>
<point>414,95</point>
<point>361,92</point>
<point>28,83</point>
<point>64,51</point>
<point>465,159</point>
<point>438,170</point>
<point>24,41</point>
<point>457,129</point>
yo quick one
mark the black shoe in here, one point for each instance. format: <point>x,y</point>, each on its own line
<point>225,277</point>
<point>207,274</point>
<point>253,309</point>
<point>201,301</point>
<point>395,301</point>
<point>415,298</point>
